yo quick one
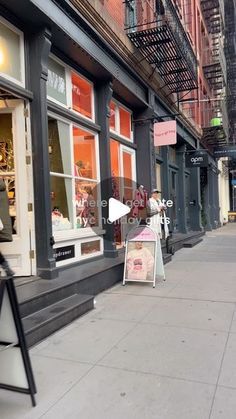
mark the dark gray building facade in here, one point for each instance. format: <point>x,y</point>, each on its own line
<point>87,117</point>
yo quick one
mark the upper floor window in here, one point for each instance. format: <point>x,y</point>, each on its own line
<point>121,120</point>
<point>82,92</point>
<point>70,89</point>
<point>56,85</point>
<point>11,53</point>
<point>131,20</point>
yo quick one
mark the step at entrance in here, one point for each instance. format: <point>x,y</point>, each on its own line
<point>193,242</point>
<point>42,323</point>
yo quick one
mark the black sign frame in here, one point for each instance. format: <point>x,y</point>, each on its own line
<point>64,253</point>
<point>7,286</point>
<point>225,151</point>
<point>196,159</point>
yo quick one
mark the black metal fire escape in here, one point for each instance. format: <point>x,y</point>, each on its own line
<point>215,73</point>
<point>230,52</point>
<point>156,29</point>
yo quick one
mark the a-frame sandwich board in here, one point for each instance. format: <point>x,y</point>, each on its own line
<point>15,367</point>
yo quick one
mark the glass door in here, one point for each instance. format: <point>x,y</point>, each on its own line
<point>13,170</point>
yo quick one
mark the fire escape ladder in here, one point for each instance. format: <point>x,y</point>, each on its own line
<point>156,29</point>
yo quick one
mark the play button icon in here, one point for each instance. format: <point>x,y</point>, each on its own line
<point>117,210</point>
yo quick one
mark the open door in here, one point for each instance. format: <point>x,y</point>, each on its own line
<point>13,169</point>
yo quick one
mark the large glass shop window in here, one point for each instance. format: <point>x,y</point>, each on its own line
<point>74,176</point>
<point>86,178</point>
<point>11,52</point>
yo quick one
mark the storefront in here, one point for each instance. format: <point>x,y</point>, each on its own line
<point>15,151</point>
<point>74,163</point>
<point>71,121</point>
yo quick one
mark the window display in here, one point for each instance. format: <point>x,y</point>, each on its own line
<point>61,198</point>
<point>90,247</point>
<point>84,154</point>
<point>86,204</point>
<point>73,155</point>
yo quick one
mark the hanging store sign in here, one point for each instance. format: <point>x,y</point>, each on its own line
<point>197,159</point>
<point>225,151</point>
<point>165,133</point>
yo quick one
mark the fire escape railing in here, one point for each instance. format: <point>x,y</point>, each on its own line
<point>230,52</point>
<point>215,70</point>
<point>162,40</point>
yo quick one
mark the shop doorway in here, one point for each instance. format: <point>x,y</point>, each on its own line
<point>173,197</point>
<point>187,199</point>
<point>123,171</point>
<point>15,172</point>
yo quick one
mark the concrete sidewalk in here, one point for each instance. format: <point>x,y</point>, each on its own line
<point>144,353</point>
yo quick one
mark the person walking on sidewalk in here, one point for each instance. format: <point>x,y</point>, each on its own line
<point>5,226</point>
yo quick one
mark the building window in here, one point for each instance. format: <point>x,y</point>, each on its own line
<point>11,53</point>
<point>88,248</point>
<point>86,178</point>
<point>70,89</point>
<point>81,96</point>
<point>125,123</point>
<point>57,81</point>
<point>131,20</point>
<point>172,154</point>
<point>73,158</point>
<point>121,121</point>
<point>158,176</point>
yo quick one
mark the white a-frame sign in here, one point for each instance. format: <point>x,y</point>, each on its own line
<point>15,366</point>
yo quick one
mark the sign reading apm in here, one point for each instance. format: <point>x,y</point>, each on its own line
<point>196,160</point>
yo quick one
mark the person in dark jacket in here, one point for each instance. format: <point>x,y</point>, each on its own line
<point>6,231</point>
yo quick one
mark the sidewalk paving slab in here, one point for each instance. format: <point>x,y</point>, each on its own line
<point>146,353</point>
